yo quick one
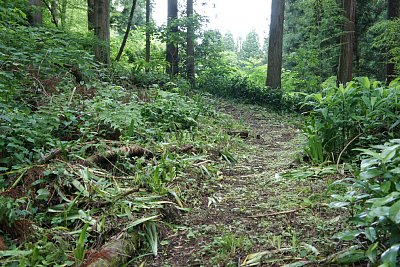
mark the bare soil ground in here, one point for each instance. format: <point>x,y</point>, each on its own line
<point>251,207</point>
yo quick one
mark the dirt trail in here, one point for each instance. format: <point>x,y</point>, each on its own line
<point>249,208</point>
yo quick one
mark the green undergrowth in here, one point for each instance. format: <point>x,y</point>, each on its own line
<point>83,162</point>
<point>356,127</point>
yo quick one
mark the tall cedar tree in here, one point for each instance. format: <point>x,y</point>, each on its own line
<point>393,12</point>
<point>345,69</point>
<point>148,41</point>
<point>102,31</point>
<point>190,43</point>
<point>90,14</point>
<point>172,48</point>
<point>128,29</point>
<point>35,12</point>
<point>274,71</point>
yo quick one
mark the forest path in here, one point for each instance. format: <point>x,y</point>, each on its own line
<point>249,207</point>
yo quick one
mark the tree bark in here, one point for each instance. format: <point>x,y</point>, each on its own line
<point>148,41</point>
<point>90,14</point>
<point>64,4</point>
<point>35,13</point>
<point>345,69</point>
<point>274,71</point>
<point>52,6</point>
<point>102,31</point>
<point>128,29</point>
<point>55,12</point>
<point>172,48</point>
<point>393,12</point>
<point>190,43</point>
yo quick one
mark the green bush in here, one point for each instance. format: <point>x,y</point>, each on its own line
<point>375,197</point>
<point>358,114</point>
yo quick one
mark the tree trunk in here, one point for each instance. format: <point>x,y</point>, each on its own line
<point>128,29</point>
<point>64,4</point>
<point>102,31</point>
<point>274,71</point>
<point>172,47</point>
<point>190,43</point>
<point>393,12</point>
<point>90,14</point>
<point>52,6</point>
<point>148,41</point>
<point>55,12</point>
<point>35,12</point>
<point>345,70</point>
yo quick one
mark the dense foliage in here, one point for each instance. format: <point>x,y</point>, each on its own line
<point>84,153</point>
<point>359,114</point>
<point>88,151</point>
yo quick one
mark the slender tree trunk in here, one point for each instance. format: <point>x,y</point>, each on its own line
<point>148,41</point>
<point>393,12</point>
<point>35,12</point>
<point>190,43</point>
<point>345,70</point>
<point>64,4</point>
<point>172,47</point>
<point>102,31</point>
<point>52,6</point>
<point>128,29</point>
<point>274,71</point>
<point>90,14</point>
<point>55,12</point>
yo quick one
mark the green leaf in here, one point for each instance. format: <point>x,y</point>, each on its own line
<point>394,212</point>
<point>371,252</point>
<point>370,233</point>
<point>370,173</point>
<point>378,202</point>
<point>79,252</point>
<point>348,235</point>
<point>15,253</point>
<point>351,256</point>
<point>43,194</point>
<point>338,204</point>
<point>80,187</point>
<point>140,221</point>
<point>389,256</point>
<point>389,152</point>
<point>379,212</point>
<point>370,153</point>
<point>366,83</point>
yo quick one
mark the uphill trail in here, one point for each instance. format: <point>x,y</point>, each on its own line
<point>251,207</point>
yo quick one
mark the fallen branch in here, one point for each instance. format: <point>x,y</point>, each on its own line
<point>46,158</point>
<point>275,213</point>
<point>344,149</point>
<point>111,155</point>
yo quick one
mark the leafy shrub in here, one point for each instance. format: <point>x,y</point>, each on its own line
<point>359,114</point>
<point>375,196</point>
<point>240,86</point>
<point>12,12</point>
